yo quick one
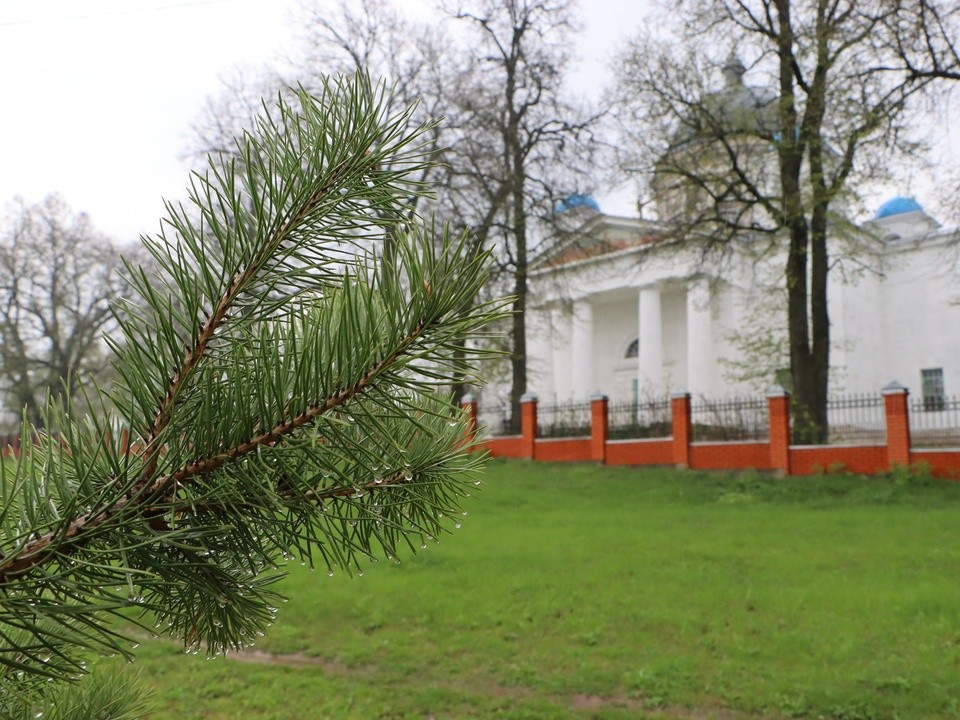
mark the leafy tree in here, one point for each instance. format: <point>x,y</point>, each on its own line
<point>778,161</point>
<point>58,276</point>
<point>280,392</point>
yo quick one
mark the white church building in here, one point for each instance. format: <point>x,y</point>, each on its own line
<point>614,306</point>
<point>617,309</point>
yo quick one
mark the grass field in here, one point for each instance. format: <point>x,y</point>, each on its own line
<point>585,592</point>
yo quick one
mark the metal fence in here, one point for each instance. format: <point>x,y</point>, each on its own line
<point>935,424</point>
<point>639,419</point>
<point>851,420</point>
<point>729,420</point>
<point>571,419</point>
<point>496,420</point>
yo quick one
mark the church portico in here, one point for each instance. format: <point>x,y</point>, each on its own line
<point>633,342</point>
<point>581,322</point>
<point>701,359</point>
<point>650,376</point>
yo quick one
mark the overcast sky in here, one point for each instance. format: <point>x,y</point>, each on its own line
<point>98,95</point>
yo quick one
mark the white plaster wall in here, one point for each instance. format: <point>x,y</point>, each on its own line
<point>673,304</point>
<point>561,324</point>
<point>859,351</point>
<point>921,315</point>
<point>615,326</point>
<point>540,368</point>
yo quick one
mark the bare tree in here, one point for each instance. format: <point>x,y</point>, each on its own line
<point>508,142</point>
<point>58,276</point>
<point>374,37</point>
<point>778,160</point>
<point>245,93</point>
<point>924,36</point>
<point>517,143</point>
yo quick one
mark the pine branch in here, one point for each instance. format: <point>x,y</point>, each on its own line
<point>284,395</point>
<point>59,542</point>
<point>218,316</point>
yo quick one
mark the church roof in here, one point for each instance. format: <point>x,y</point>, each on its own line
<point>897,206</point>
<point>736,107</point>
<point>577,200</point>
<point>599,235</point>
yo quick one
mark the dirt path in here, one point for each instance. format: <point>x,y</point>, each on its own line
<point>578,702</point>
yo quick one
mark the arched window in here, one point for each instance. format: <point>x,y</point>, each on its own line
<point>633,349</point>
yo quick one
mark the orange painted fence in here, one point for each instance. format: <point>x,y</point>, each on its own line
<point>774,452</point>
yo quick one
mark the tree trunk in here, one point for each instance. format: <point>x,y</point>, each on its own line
<point>518,361</point>
<point>806,296</point>
<point>459,387</point>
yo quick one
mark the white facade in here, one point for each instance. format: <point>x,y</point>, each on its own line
<point>616,309</point>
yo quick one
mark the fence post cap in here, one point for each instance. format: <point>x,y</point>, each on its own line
<point>528,397</point>
<point>894,388</point>
<point>468,398</point>
<point>598,396</point>
<point>679,393</point>
<point>776,391</point>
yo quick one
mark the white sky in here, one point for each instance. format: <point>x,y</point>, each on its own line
<point>98,95</point>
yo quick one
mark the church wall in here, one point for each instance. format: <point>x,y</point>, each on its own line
<point>561,361</point>
<point>727,309</point>
<point>673,305</point>
<point>615,326</point>
<point>540,369</point>
<point>859,353</point>
<point>922,316</point>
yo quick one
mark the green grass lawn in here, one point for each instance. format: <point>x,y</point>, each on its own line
<point>573,591</point>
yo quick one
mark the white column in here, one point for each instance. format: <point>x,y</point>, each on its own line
<point>582,350</point>
<point>701,361</point>
<point>650,357</point>
<point>539,352</point>
<point>560,348</point>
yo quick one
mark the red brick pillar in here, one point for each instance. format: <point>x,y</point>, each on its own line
<point>898,424</point>
<point>598,428</point>
<point>682,431</point>
<point>468,403</point>
<point>528,424</point>
<point>778,408</point>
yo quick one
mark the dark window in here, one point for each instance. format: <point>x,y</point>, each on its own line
<point>633,349</point>
<point>931,380</point>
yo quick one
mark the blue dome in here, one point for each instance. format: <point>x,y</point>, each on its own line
<point>577,200</point>
<point>897,206</point>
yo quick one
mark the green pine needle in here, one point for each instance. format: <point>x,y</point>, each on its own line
<point>281,394</point>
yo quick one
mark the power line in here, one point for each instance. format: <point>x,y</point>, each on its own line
<point>107,13</point>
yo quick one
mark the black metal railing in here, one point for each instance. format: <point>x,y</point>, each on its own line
<point>639,419</point>
<point>851,420</point>
<point>497,420</point>
<point>935,424</point>
<point>570,419</point>
<point>732,419</point>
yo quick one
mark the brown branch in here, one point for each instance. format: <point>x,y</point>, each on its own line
<point>48,546</point>
<point>207,465</point>
<point>395,480</point>
<point>217,317</point>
